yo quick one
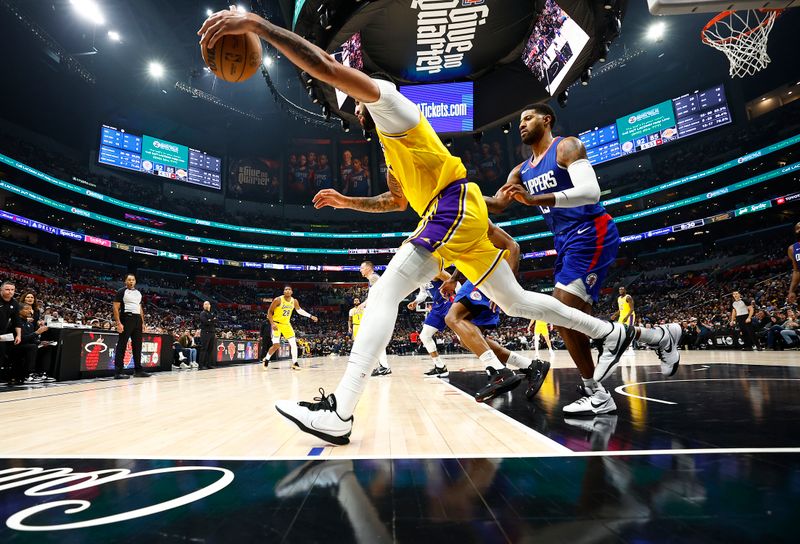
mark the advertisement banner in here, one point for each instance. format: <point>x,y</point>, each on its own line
<point>97,351</point>
<point>237,351</point>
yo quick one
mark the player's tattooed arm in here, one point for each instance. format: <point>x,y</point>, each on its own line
<point>569,150</point>
<point>500,201</point>
<point>391,201</point>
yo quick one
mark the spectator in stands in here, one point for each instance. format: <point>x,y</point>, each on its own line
<point>790,327</point>
<point>10,328</point>
<point>208,337</point>
<point>187,342</point>
<point>26,351</point>
<point>29,297</point>
<point>129,318</point>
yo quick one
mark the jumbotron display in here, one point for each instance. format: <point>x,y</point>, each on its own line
<point>158,157</point>
<point>447,106</point>
<point>657,125</point>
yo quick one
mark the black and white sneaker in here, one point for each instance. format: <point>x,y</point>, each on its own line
<point>613,346</point>
<point>438,372</point>
<point>499,382</point>
<point>599,402</point>
<point>536,374</point>
<point>318,418</point>
<point>46,378</point>
<point>381,370</point>
<point>667,349</point>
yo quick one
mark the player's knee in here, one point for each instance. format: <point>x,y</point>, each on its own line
<point>452,319</point>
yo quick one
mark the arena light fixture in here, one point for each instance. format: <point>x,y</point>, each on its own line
<point>604,51</point>
<point>586,76</point>
<point>562,98</point>
<point>345,125</point>
<point>114,36</point>
<point>506,128</point>
<point>267,61</point>
<point>88,9</point>
<point>367,135</point>
<point>656,31</point>
<point>155,69</point>
<point>209,12</point>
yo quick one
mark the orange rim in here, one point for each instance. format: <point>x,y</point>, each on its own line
<point>727,13</point>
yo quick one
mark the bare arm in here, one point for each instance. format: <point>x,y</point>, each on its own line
<point>302,53</point>
<point>391,201</point>
<point>502,240</point>
<point>500,201</point>
<point>271,311</point>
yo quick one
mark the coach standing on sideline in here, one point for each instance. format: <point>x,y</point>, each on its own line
<point>208,337</point>
<point>130,324</point>
<point>10,323</point>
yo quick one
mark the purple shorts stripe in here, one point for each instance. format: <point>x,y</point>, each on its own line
<point>443,220</point>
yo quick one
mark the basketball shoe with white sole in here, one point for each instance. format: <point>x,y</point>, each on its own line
<point>611,349</point>
<point>667,349</point>
<point>318,418</point>
<point>599,402</point>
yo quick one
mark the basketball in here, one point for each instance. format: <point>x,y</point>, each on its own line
<point>234,58</point>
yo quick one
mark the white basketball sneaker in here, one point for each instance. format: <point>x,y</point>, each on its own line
<point>667,349</point>
<point>599,402</point>
<point>613,346</point>
<point>318,418</point>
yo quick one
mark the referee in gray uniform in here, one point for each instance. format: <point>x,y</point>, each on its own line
<point>129,317</point>
<point>742,315</point>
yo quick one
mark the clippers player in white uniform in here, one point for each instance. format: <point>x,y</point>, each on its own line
<point>559,179</point>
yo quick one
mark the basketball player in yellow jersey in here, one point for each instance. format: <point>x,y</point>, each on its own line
<point>625,312</point>
<point>421,173</point>
<point>540,329</point>
<point>279,314</point>
<point>354,318</point>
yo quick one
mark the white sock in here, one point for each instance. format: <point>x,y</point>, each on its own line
<point>651,337</point>
<point>437,362</point>
<point>518,360</point>
<point>269,355</point>
<point>502,288</point>
<point>383,360</point>
<point>409,267</point>
<point>293,349</point>
<point>490,360</point>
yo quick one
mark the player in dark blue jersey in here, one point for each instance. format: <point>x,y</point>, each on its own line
<point>794,257</point>
<point>559,179</point>
<point>434,321</point>
<point>472,313</point>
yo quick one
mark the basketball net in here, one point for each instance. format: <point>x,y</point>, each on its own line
<point>742,36</point>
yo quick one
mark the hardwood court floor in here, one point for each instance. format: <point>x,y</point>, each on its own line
<point>228,413</point>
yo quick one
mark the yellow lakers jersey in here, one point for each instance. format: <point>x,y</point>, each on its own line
<point>355,315</point>
<point>283,311</point>
<point>419,160</point>
<point>624,306</point>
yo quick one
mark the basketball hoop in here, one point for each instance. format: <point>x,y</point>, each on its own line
<point>742,36</point>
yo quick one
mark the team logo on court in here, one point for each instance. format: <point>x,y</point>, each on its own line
<point>475,295</point>
<point>591,279</point>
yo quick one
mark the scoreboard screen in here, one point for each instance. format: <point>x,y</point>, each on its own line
<point>657,125</point>
<point>158,157</point>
